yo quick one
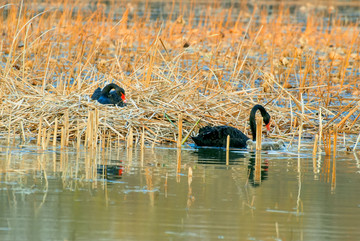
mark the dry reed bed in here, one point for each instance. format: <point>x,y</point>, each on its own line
<point>54,59</point>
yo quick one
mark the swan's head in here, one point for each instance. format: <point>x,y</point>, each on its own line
<point>250,142</point>
<point>121,92</point>
<point>122,95</point>
<point>267,145</point>
<point>266,119</point>
<point>281,143</point>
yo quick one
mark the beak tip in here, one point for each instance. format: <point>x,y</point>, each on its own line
<point>268,127</point>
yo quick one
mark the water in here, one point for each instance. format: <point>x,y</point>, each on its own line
<point>279,195</point>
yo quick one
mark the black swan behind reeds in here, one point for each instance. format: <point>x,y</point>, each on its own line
<point>107,97</point>
<point>216,136</point>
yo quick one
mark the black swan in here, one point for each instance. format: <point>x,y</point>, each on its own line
<point>216,136</point>
<point>105,97</point>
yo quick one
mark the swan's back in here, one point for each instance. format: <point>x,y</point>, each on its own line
<point>96,95</point>
<point>216,136</point>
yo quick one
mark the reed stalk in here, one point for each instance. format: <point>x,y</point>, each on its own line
<point>103,138</point>
<point>22,131</point>
<point>47,141</point>
<point>66,127</point>
<point>78,139</point>
<point>62,138</point>
<point>9,131</point>
<point>89,130</point>
<point>142,142</point>
<point>108,141</point>
<point>335,130</point>
<point>320,130</point>
<point>55,131</point>
<point>142,146</point>
<point>130,139</point>
<point>14,136</point>
<point>259,122</point>
<point>179,131</point>
<point>227,149</point>
<point>39,131</point>
<point>301,122</point>
<point>43,139</point>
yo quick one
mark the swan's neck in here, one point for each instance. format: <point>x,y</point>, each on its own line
<point>253,120</point>
<point>106,89</point>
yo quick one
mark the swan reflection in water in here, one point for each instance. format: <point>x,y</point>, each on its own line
<point>211,156</point>
<point>111,171</point>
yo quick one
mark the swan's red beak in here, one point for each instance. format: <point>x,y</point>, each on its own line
<point>123,97</point>
<point>268,126</point>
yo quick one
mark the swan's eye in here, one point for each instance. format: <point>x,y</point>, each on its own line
<point>123,97</point>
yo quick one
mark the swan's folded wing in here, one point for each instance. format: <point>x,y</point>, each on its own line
<point>104,100</point>
<point>217,136</point>
<point>208,137</point>
<point>96,94</point>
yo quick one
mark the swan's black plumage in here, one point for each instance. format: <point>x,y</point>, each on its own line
<point>216,136</point>
<point>107,97</point>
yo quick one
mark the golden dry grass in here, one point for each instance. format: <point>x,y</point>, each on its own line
<point>55,55</point>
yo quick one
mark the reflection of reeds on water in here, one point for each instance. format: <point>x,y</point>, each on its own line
<point>178,161</point>
<point>257,175</point>
<point>333,176</point>
<point>330,136</point>
<point>190,195</point>
<point>142,147</point>
<point>330,147</point>
<point>49,72</point>
<point>315,148</point>
<point>227,149</point>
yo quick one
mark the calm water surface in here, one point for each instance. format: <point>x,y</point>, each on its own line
<point>70,195</point>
